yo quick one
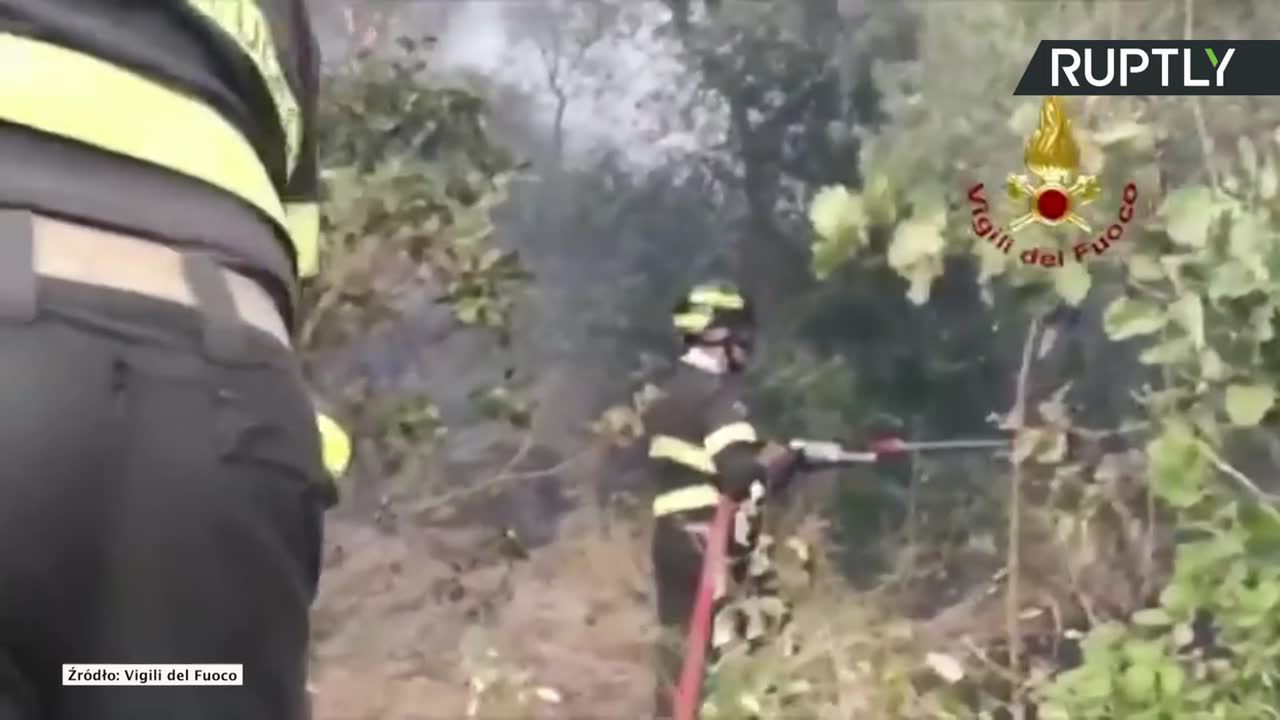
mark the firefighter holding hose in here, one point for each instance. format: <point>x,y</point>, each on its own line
<point>708,460</point>
<point>702,445</point>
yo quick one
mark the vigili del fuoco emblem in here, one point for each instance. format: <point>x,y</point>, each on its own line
<point>1051,193</point>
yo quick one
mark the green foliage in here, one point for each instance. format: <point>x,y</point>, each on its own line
<point>1192,285</point>
<point>623,424</point>
<point>1177,466</point>
<point>1188,213</point>
<point>411,178</point>
<point>851,659</point>
<point>1072,283</point>
<point>916,253</point>
<point>506,404</point>
<point>1205,305</point>
<point>1246,405</point>
<point>840,219</point>
<point>1126,318</point>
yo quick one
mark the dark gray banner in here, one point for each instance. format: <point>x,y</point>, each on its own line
<point>1153,67</point>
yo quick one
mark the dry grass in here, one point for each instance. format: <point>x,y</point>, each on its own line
<point>393,615</point>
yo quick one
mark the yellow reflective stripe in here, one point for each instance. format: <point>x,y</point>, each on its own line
<point>714,297</point>
<point>77,96</point>
<point>303,220</point>
<point>727,435</point>
<point>665,447</point>
<point>692,321</point>
<point>693,497</point>
<point>243,22</point>
<point>335,445</point>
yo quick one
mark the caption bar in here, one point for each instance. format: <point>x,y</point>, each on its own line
<point>130,674</point>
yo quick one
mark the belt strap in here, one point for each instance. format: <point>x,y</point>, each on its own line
<point>17,266</point>
<point>225,337</point>
<point>93,256</point>
<point>693,497</point>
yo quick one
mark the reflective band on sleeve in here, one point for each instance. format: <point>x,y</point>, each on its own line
<point>304,228</point>
<point>70,94</point>
<point>693,497</point>
<point>335,445</point>
<point>665,447</point>
<point>243,22</point>
<point>727,435</point>
<point>717,299</point>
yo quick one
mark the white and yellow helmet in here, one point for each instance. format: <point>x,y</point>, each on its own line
<point>715,306</point>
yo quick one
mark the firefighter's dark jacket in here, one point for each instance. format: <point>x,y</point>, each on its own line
<point>701,441</point>
<point>205,110</point>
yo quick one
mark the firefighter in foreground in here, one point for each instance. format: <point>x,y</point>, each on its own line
<point>703,444</point>
<point>163,486</point>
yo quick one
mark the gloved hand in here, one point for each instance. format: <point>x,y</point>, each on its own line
<point>745,466</point>
<point>888,447</point>
<point>779,462</point>
<point>893,463</point>
<point>884,432</point>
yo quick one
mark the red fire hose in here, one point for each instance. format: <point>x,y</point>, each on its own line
<point>688,696</point>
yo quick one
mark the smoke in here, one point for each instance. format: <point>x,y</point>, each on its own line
<point>474,37</point>
<point>626,86</point>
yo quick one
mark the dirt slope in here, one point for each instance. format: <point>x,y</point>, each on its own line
<point>396,610</point>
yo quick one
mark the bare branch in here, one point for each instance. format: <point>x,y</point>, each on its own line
<point>1197,108</point>
<point>1243,480</point>
<point>1016,421</point>
<point>503,477</point>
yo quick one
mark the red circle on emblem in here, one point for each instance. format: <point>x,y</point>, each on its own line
<point>1052,204</point>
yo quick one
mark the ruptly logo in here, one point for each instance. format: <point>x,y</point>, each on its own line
<point>1052,193</point>
<point>1152,67</point>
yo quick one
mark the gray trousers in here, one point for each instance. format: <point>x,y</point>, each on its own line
<point>161,501</point>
